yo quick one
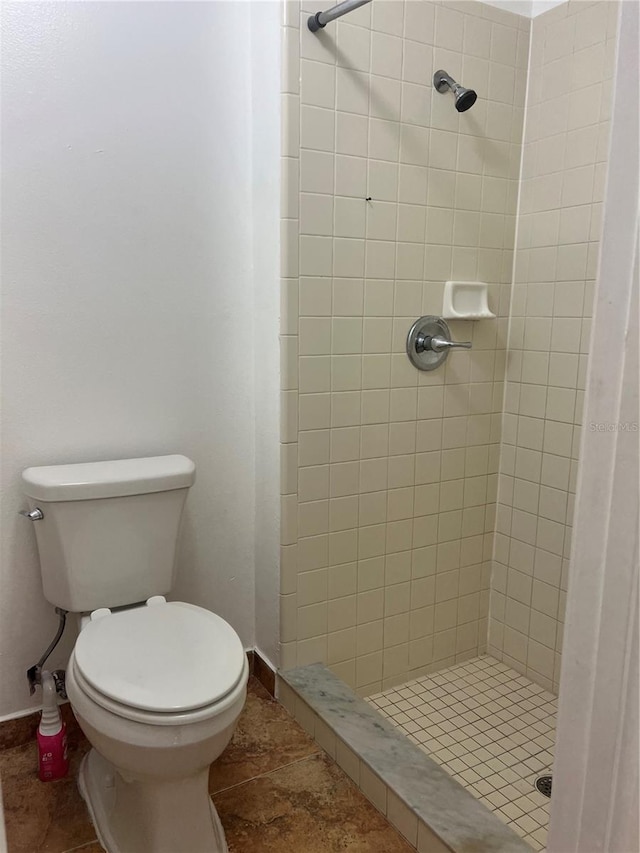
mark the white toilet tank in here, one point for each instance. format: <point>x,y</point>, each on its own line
<point>110,529</point>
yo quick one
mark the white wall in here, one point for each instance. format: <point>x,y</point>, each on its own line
<point>528,8</point>
<point>127,280</point>
<point>538,7</point>
<point>265,137</point>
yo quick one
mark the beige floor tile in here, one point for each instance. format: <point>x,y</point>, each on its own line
<point>274,791</point>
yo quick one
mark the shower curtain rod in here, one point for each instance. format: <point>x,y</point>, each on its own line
<point>320,20</point>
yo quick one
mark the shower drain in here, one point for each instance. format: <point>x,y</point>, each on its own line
<point>543,784</point>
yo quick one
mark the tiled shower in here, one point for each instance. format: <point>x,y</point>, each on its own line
<point>564,165</point>
<point>389,524</point>
<point>427,515</point>
<point>391,542</point>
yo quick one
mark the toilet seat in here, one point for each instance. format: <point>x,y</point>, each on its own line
<point>168,660</point>
<point>149,718</point>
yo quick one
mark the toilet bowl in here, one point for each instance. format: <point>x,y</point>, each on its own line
<point>145,781</point>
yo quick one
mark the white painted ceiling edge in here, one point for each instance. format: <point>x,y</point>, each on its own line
<point>528,8</point>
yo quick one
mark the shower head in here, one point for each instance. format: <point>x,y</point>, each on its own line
<point>465,98</point>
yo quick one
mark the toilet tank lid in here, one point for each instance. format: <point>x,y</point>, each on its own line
<point>109,479</point>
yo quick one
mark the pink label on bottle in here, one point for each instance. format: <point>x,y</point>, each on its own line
<point>52,756</point>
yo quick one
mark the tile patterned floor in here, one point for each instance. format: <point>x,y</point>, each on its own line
<point>491,728</point>
<point>274,789</point>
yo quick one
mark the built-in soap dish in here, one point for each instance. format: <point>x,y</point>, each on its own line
<point>466,300</point>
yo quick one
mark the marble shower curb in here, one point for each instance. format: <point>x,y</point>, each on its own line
<point>433,812</point>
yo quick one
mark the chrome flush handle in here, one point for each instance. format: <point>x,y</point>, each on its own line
<point>35,514</point>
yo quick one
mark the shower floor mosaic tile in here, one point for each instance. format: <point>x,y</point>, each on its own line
<point>491,728</point>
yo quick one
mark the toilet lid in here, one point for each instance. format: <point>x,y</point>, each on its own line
<point>163,656</point>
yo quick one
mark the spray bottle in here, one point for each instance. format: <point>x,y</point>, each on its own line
<point>53,762</point>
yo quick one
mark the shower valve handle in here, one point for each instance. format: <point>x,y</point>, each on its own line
<point>437,343</point>
<point>429,343</point>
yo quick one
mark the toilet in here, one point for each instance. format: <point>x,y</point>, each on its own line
<point>157,686</point>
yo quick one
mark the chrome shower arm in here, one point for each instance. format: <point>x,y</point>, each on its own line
<point>320,20</point>
<point>442,81</point>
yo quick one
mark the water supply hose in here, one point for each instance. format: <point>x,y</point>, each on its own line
<point>34,672</point>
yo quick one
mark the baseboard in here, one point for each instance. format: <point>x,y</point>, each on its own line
<point>262,671</point>
<point>20,730</point>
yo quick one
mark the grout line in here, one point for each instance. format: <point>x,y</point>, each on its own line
<point>268,772</point>
<point>82,846</point>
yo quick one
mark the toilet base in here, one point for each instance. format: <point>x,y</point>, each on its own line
<point>149,816</point>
